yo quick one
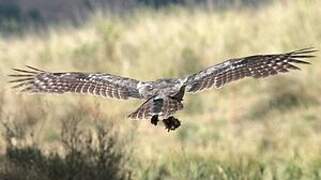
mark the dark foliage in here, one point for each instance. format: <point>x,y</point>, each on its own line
<point>96,155</point>
<point>160,3</point>
<point>14,20</point>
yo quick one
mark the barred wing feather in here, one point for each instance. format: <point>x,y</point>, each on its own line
<point>258,66</point>
<point>38,81</point>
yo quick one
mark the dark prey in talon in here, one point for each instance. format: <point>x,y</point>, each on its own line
<point>163,97</point>
<point>171,123</point>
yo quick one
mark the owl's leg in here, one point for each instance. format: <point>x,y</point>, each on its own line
<point>171,123</point>
<point>154,120</point>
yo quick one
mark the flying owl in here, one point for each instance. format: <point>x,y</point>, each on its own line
<point>163,97</point>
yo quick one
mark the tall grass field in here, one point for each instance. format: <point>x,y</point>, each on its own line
<point>250,129</point>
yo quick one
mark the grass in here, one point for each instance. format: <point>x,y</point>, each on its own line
<point>94,152</point>
<point>251,129</point>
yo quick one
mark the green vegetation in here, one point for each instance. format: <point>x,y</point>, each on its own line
<point>251,129</point>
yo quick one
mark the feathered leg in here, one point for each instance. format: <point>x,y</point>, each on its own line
<point>154,120</point>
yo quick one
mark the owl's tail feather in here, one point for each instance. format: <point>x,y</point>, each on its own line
<point>163,107</point>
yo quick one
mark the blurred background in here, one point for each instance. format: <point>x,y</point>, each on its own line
<point>250,129</point>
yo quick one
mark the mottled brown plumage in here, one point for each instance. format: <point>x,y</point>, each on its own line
<point>163,97</point>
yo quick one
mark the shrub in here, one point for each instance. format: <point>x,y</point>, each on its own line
<point>88,154</point>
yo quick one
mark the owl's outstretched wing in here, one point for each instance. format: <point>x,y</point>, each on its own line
<point>258,66</point>
<point>38,81</point>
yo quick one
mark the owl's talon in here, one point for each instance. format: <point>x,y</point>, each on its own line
<point>154,120</point>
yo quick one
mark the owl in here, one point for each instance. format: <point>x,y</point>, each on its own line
<point>162,97</point>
